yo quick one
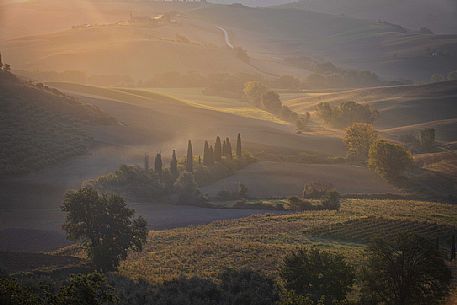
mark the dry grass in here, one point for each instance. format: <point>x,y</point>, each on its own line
<point>260,242</point>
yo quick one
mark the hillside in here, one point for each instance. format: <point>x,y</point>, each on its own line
<point>40,126</point>
<point>403,109</point>
<point>439,15</point>
<point>388,49</point>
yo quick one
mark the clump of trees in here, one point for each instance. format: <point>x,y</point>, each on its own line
<point>389,160</point>
<point>346,113</point>
<point>104,226</point>
<point>260,96</point>
<point>180,181</point>
<point>359,137</point>
<point>330,199</point>
<point>408,270</point>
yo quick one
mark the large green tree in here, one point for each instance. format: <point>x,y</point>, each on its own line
<point>358,139</point>
<point>408,270</point>
<point>104,226</point>
<point>390,160</point>
<point>322,277</point>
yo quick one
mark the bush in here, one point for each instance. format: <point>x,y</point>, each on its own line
<point>317,189</point>
<point>187,189</point>
<point>388,159</point>
<point>407,270</point>
<point>331,201</point>
<point>323,277</point>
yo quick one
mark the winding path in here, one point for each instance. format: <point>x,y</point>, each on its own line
<point>226,37</point>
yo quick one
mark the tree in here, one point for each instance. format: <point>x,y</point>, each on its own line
<point>104,226</point>
<point>427,137</point>
<point>1,62</point>
<point>190,158</point>
<point>254,90</point>
<point>331,201</point>
<point>407,270</point>
<point>388,159</point>
<point>453,248</point>
<point>228,152</point>
<point>211,155</point>
<point>206,156</point>
<point>218,150</point>
<point>6,68</point>
<point>146,162</point>
<point>158,164</point>
<point>224,148</point>
<point>358,139</point>
<point>437,78</point>
<point>174,165</point>
<point>13,293</point>
<point>242,191</point>
<point>271,102</point>
<point>187,189</point>
<point>323,277</point>
<point>238,146</point>
<point>86,289</point>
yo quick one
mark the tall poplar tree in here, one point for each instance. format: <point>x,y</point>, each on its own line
<point>224,149</point>
<point>229,150</point>
<point>206,154</point>
<point>174,165</point>
<point>189,159</point>
<point>238,146</point>
<point>158,164</point>
<point>211,155</point>
<point>218,150</point>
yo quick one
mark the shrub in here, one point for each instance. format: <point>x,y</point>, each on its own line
<point>331,201</point>
<point>388,159</point>
<point>316,189</point>
<point>187,189</point>
<point>323,277</point>
<point>407,270</point>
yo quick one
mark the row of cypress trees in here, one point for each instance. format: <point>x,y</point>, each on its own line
<point>210,155</point>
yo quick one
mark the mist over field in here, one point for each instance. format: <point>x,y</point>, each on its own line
<point>228,152</point>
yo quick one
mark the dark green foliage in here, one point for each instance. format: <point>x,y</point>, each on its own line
<point>218,150</point>
<point>245,287</point>
<point>187,189</point>
<point>232,287</point>
<point>13,293</point>
<point>406,270</point>
<point>189,158</point>
<point>358,139</point>
<point>86,289</point>
<point>331,201</point>
<point>317,189</point>
<point>104,226</point>
<point>146,162</point>
<point>174,165</point>
<point>206,157</point>
<point>389,160</point>
<point>228,149</point>
<point>323,277</point>
<point>271,102</point>
<point>134,182</point>
<point>238,146</point>
<point>346,113</point>
<point>158,164</point>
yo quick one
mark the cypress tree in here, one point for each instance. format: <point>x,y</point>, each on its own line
<point>238,146</point>
<point>199,160</point>
<point>229,150</point>
<point>174,165</point>
<point>1,62</point>
<point>158,164</point>
<point>211,155</point>
<point>206,154</point>
<point>146,161</point>
<point>189,159</point>
<point>218,150</point>
<point>224,149</point>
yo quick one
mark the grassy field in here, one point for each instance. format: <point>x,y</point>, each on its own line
<point>260,242</point>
